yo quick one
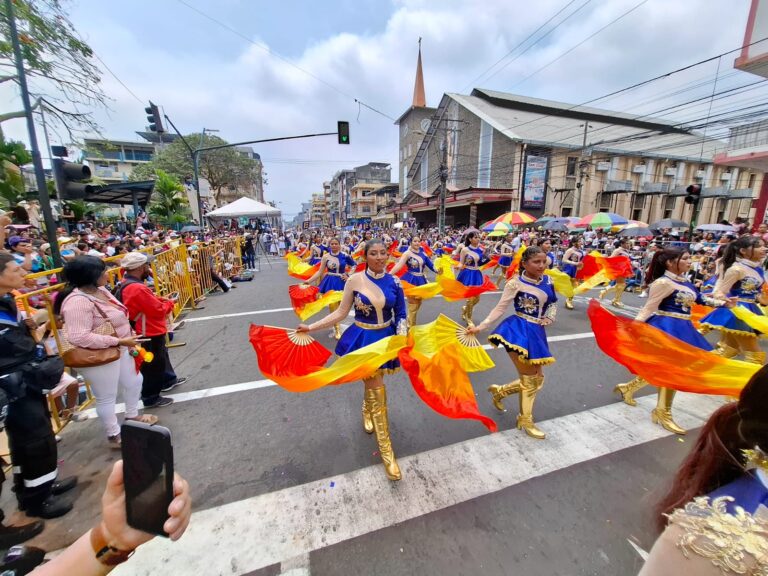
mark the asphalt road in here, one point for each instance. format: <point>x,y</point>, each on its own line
<point>289,483</point>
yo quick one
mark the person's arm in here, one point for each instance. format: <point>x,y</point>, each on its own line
<point>399,311</point>
<point>428,263</point>
<point>320,271</point>
<point>140,298</point>
<point>658,290</point>
<point>341,312</point>
<point>726,281</point>
<point>567,257</point>
<point>507,297</point>
<point>77,312</point>
<point>80,557</point>
<point>399,264</point>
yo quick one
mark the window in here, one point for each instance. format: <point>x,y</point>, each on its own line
<point>605,202</point>
<point>637,207</point>
<point>722,204</point>
<point>565,212</point>
<point>484,152</point>
<point>570,169</point>
<point>751,184</point>
<point>669,206</point>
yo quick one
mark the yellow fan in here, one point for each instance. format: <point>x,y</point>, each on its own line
<point>429,338</point>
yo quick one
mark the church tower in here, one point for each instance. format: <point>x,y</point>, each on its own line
<point>413,126</point>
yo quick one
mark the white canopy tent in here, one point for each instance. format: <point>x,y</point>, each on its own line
<point>248,208</point>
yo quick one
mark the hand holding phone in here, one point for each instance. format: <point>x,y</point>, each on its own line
<point>147,475</point>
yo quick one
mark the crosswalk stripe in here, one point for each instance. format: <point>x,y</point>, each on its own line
<point>256,384</point>
<point>268,529</point>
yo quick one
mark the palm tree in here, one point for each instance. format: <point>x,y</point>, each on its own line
<point>168,204</point>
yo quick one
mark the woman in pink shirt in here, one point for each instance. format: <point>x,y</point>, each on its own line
<point>85,305</point>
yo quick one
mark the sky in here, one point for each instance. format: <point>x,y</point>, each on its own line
<point>270,69</point>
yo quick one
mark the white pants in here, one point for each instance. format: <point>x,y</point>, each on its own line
<point>105,381</point>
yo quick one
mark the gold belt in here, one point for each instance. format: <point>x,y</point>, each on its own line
<point>471,267</point>
<point>417,273</point>
<point>334,274</point>
<point>749,300</point>
<point>365,326</point>
<point>531,319</point>
<point>673,315</point>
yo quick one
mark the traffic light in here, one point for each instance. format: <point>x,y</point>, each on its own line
<point>343,132</point>
<point>694,193</point>
<point>68,177</point>
<point>154,119</point>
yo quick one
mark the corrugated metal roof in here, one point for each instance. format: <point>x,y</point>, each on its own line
<point>551,130</point>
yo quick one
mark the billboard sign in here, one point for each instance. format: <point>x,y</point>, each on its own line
<point>535,182</point>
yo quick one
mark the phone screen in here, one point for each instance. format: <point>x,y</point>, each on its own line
<point>147,475</point>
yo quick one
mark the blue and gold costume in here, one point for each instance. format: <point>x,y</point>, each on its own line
<point>575,255</point>
<point>316,253</point>
<point>335,268</point>
<point>743,280</point>
<point>472,259</point>
<point>507,253</point>
<point>523,332</point>
<point>550,260</point>
<point>416,262</point>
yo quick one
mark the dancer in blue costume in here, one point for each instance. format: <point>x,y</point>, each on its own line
<point>316,250</point>
<point>714,519</point>
<point>379,306</point>
<point>471,258</point>
<point>507,254</point>
<point>740,276</point>
<point>619,284</point>
<point>668,308</point>
<point>522,334</point>
<point>546,245</point>
<point>333,271</point>
<point>571,264</point>
<point>415,260</point>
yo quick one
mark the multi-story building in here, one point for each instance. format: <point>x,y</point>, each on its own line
<point>350,193</point>
<point>318,211</point>
<point>113,160</point>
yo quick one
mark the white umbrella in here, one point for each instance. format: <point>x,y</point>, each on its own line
<point>716,228</point>
<point>398,225</point>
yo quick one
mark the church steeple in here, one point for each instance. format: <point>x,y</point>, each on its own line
<point>419,98</point>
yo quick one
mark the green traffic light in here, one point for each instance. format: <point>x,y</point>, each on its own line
<point>343,138</point>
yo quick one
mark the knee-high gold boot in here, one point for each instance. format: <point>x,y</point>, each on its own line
<point>618,292</point>
<point>377,400</point>
<point>726,351</point>
<point>502,277</point>
<point>336,328</point>
<point>466,310</point>
<point>413,309</point>
<point>529,387</point>
<point>367,418</point>
<point>755,357</point>
<point>662,414</point>
<point>501,391</point>
<point>628,390</point>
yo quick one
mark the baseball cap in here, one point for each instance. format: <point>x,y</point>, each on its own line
<point>134,260</point>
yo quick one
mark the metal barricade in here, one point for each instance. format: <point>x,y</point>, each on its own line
<point>199,261</point>
<point>171,277</point>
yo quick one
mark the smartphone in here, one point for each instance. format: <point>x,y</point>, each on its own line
<point>174,296</point>
<point>147,475</point>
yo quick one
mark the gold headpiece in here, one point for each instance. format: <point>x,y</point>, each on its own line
<point>755,458</point>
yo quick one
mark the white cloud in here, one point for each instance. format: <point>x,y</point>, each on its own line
<point>255,95</point>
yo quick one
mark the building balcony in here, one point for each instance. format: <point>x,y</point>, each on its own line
<point>655,188</point>
<point>619,186</point>
<point>747,147</point>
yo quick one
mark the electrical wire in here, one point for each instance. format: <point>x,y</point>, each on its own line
<point>123,84</point>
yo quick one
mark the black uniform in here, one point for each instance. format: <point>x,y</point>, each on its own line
<point>25,373</point>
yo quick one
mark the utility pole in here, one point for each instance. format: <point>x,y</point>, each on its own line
<point>42,187</point>
<point>443,188</point>
<point>582,172</point>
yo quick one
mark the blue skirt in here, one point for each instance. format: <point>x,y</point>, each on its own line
<point>528,339</point>
<point>329,283</point>
<point>313,261</point>
<point>505,261</point>
<point>681,329</point>
<point>355,338</point>
<point>413,280</point>
<point>570,269</point>
<point>723,319</point>
<point>470,277</point>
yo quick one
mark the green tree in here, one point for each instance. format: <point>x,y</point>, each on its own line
<point>223,168</point>
<point>62,74</point>
<point>80,208</point>
<point>168,205</point>
<point>13,155</point>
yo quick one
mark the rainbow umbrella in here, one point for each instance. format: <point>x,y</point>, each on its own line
<point>516,218</point>
<point>602,220</point>
<point>497,227</point>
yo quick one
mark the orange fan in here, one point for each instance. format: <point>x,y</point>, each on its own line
<point>301,295</point>
<point>360,267</point>
<point>285,352</point>
<point>494,261</point>
<point>427,249</point>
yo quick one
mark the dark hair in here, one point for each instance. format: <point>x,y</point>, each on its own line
<point>530,252</point>
<point>5,259</point>
<point>371,243</point>
<point>716,458</point>
<point>573,241</point>
<point>79,272</point>
<point>468,236</point>
<point>540,241</point>
<point>658,264</point>
<point>733,249</point>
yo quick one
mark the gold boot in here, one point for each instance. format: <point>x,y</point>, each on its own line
<point>529,387</point>
<point>466,310</point>
<point>501,278</point>
<point>628,390</point>
<point>617,294</point>
<point>755,357</point>
<point>367,418</point>
<point>501,391</point>
<point>413,309</point>
<point>337,331</point>
<point>377,400</point>
<point>662,414</point>
<point>569,303</point>
<point>603,292</point>
<point>726,351</point>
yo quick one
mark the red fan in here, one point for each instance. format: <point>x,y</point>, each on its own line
<point>301,295</point>
<point>427,249</point>
<point>285,352</point>
<point>360,267</point>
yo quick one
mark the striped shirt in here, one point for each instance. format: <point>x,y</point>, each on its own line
<point>81,317</point>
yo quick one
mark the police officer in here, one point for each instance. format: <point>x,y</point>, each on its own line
<point>25,373</point>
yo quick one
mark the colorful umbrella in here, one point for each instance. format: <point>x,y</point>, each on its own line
<point>669,223</point>
<point>497,227</point>
<point>636,232</point>
<point>602,220</point>
<point>544,219</point>
<point>516,218</point>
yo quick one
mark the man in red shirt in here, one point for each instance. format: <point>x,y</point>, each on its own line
<point>148,314</point>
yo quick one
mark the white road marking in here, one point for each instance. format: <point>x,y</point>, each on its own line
<point>236,314</point>
<point>255,384</point>
<point>642,553</point>
<point>270,528</point>
<point>298,566</point>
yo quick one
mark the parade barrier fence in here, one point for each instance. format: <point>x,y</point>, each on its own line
<point>182,271</point>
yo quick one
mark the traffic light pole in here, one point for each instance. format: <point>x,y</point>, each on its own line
<point>694,219</point>
<point>42,187</point>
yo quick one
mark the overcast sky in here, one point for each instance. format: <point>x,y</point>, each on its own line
<point>205,75</point>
